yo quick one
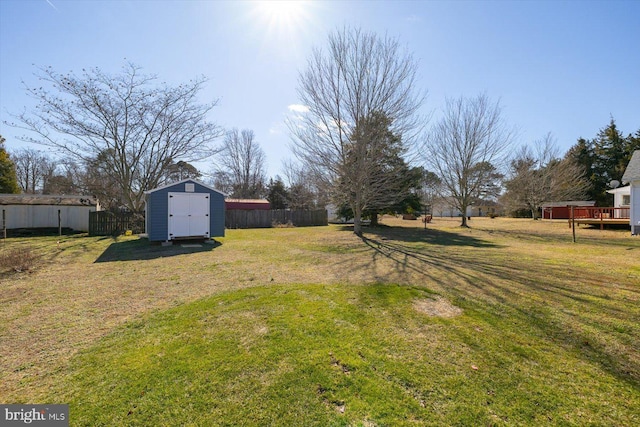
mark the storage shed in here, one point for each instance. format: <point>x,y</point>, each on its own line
<point>562,210</point>
<point>187,209</point>
<point>632,177</point>
<point>47,211</point>
<point>248,204</point>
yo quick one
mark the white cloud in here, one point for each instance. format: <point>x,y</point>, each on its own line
<point>298,108</point>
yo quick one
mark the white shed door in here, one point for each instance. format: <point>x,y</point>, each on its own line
<point>188,215</point>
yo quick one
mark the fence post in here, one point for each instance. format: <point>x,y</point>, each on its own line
<point>573,223</point>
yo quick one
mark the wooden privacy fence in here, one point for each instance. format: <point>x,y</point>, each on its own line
<point>237,218</point>
<point>105,223</point>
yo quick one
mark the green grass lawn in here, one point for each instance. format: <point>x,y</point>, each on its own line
<point>506,323</point>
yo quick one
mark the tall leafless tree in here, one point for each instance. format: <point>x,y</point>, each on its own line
<point>33,169</point>
<point>359,75</point>
<point>139,126</point>
<point>464,148</point>
<point>538,174</point>
<point>243,164</point>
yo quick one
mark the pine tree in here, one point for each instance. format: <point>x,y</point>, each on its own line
<point>277,194</point>
<point>610,157</point>
<point>8,178</point>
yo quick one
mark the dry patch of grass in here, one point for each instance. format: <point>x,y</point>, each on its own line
<point>437,307</point>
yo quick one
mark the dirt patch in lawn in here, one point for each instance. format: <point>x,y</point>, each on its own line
<point>437,307</point>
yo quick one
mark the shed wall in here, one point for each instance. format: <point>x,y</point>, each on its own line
<point>46,216</point>
<point>157,211</point>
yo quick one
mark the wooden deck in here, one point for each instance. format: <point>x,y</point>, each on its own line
<point>602,221</point>
<point>601,216</point>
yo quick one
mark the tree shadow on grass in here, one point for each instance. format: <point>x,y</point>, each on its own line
<point>418,235</point>
<point>141,249</point>
<point>514,285</point>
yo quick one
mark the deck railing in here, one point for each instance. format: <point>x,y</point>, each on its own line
<point>601,212</point>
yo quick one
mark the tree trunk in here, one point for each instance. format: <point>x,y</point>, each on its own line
<point>357,221</point>
<point>463,210</point>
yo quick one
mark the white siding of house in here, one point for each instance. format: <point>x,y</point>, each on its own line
<point>619,195</point>
<point>635,207</point>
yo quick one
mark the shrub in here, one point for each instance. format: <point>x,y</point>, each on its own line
<point>18,259</point>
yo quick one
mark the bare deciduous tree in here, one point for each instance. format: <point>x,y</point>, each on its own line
<point>67,177</point>
<point>464,147</point>
<point>303,187</point>
<point>358,76</point>
<point>243,162</point>
<point>139,126</point>
<point>33,169</point>
<point>430,189</point>
<point>539,175</point>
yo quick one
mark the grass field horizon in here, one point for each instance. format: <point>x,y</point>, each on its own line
<point>507,322</point>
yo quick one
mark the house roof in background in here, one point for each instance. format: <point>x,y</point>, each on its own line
<point>632,172</point>
<point>47,199</point>
<point>564,204</point>
<point>620,190</point>
<point>259,201</point>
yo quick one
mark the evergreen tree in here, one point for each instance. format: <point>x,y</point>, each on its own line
<point>8,178</point>
<point>277,194</point>
<point>181,170</point>
<point>610,159</point>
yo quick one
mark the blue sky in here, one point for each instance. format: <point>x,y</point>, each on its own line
<point>559,67</point>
